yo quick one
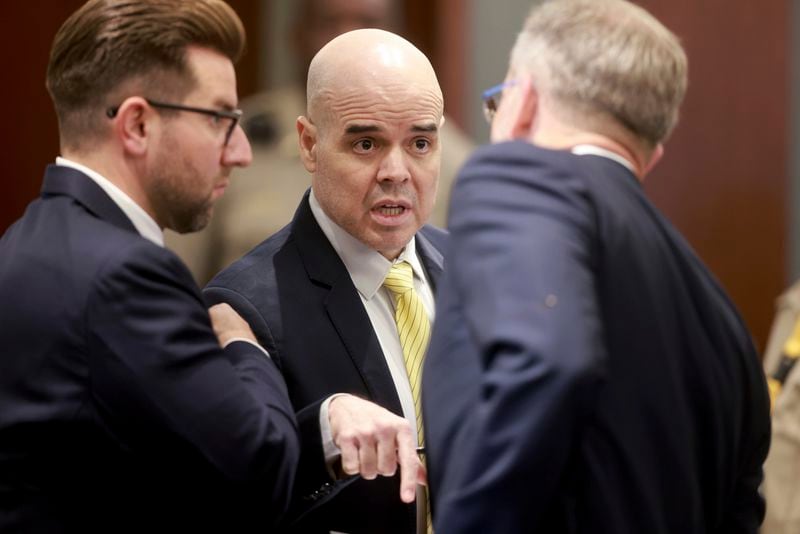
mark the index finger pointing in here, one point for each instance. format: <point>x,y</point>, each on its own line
<point>409,466</point>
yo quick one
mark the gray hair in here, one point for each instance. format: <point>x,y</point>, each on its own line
<point>606,58</point>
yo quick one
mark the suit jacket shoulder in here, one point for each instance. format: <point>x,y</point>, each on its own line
<point>107,333</point>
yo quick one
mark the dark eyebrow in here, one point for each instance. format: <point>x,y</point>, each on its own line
<point>224,104</point>
<point>425,128</point>
<point>361,128</point>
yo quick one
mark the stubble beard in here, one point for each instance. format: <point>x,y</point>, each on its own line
<point>176,188</point>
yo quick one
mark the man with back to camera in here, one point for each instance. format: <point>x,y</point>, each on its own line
<point>587,374</point>
<point>119,410</point>
<point>343,296</point>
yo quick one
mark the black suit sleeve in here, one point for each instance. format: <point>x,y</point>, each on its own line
<point>157,366</point>
<point>746,505</point>
<point>520,261</point>
<point>314,485</point>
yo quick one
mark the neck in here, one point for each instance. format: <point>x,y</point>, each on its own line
<point>116,170</point>
<point>551,132</point>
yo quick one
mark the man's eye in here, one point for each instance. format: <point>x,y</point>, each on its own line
<point>422,145</point>
<point>364,145</point>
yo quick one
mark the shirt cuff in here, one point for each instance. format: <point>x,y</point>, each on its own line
<point>329,448</point>
<point>244,339</point>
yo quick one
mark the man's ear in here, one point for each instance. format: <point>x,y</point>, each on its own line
<point>307,134</point>
<point>516,117</point>
<point>132,125</point>
<point>526,106</point>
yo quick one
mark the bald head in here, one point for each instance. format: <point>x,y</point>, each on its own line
<point>371,137</point>
<point>368,60</point>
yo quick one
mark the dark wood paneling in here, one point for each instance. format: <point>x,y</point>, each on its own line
<point>249,67</point>
<point>450,59</point>
<point>420,24</point>
<point>438,28</point>
<point>30,129</point>
<point>724,179</point>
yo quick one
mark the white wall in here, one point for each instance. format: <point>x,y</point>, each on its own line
<point>492,31</point>
<point>281,67</point>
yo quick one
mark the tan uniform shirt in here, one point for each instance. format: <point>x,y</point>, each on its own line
<point>782,468</point>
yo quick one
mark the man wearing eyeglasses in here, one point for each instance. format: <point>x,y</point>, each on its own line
<point>342,297</point>
<point>123,406</point>
<point>587,373</point>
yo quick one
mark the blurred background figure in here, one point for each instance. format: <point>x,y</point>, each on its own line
<point>781,473</point>
<point>264,196</point>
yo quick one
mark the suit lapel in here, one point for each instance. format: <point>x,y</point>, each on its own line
<point>346,312</point>
<point>344,307</point>
<point>432,259</point>
<point>61,180</point>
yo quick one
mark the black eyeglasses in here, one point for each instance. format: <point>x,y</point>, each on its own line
<point>233,115</point>
<point>491,99</point>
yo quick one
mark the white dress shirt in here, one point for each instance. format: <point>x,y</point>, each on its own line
<point>593,150</point>
<point>144,224</point>
<point>368,269</point>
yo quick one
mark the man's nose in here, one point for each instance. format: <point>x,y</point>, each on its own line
<point>394,166</point>
<point>237,152</point>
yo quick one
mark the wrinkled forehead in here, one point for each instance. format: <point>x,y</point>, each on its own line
<point>389,103</point>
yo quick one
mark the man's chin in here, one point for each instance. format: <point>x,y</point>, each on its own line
<point>194,222</point>
<point>391,245</point>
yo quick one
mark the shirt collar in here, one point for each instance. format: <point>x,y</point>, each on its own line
<point>583,150</point>
<point>367,267</point>
<point>144,224</point>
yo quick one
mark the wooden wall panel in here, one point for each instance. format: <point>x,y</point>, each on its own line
<point>438,28</point>
<point>724,178</point>
<point>30,129</point>
<point>450,60</point>
<point>250,65</point>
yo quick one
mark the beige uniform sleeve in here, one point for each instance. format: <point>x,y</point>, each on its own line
<point>782,468</point>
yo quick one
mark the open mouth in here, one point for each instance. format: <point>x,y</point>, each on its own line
<point>390,210</point>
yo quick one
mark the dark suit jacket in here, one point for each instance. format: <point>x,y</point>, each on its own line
<point>297,295</point>
<point>118,410</point>
<point>586,374</point>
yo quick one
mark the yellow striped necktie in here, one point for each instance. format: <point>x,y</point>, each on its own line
<point>414,329</point>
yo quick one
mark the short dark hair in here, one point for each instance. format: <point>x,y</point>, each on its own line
<point>108,47</point>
